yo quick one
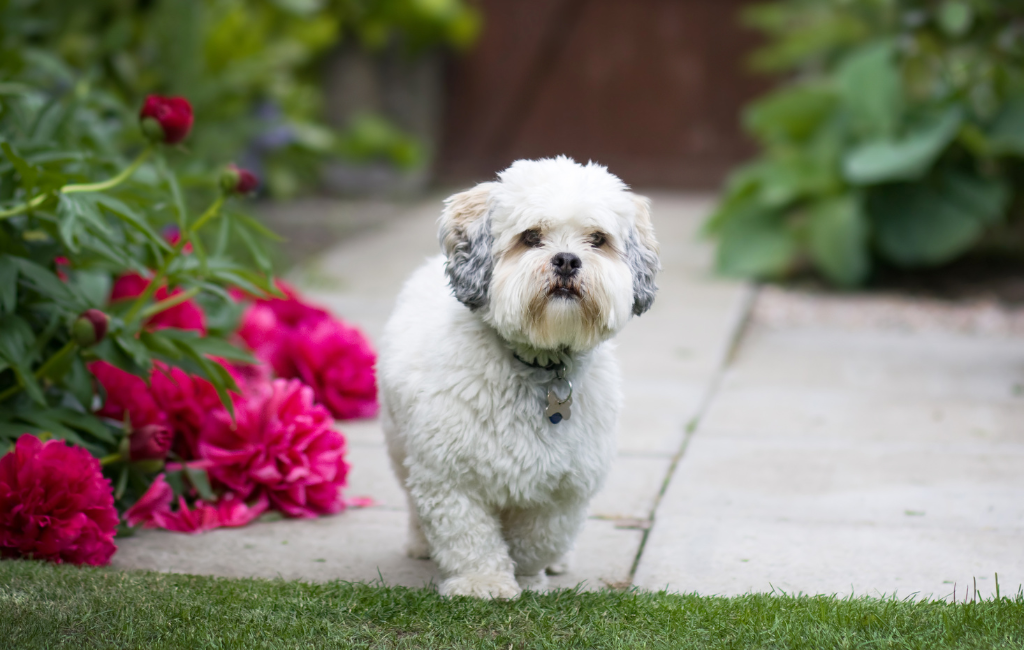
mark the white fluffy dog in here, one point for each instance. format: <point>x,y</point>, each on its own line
<point>499,388</point>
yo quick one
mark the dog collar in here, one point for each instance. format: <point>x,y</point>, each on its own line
<point>558,409</point>
<point>552,365</point>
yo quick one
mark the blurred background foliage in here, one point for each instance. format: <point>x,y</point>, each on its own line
<point>250,68</point>
<point>895,141</point>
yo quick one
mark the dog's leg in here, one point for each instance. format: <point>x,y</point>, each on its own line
<point>465,541</point>
<point>541,539</point>
<point>561,565</point>
<point>417,546</point>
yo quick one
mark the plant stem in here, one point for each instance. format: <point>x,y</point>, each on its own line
<point>111,182</point>
<point>210,213</point>
<point>57,357</point>
<point>167,303</point>
<point>41,370</point>
<point>186,236</point>
<point>73,188</point>
<point>112,458</point>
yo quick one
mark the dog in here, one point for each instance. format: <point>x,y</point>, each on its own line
<point>499,388</point>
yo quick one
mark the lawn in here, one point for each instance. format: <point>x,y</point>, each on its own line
<point>46,606</point>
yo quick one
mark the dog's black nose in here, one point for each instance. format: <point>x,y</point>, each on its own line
<point>566,264</point>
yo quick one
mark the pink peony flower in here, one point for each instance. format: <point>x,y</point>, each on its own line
<point>90,327</point>
<point>154,503</point>
<point>337,361</point>
<point>166,119</point>
<point>55,504</point>
<point>173,398</point>
<point>186,315</point>
<point>150,442</point>
<point>302,341</point>
<point>126,393</point>
<point>186,401</point>
<point>235,180</point>
<point>153,510</point>
<point>268,326</point>
<point>282,445</point>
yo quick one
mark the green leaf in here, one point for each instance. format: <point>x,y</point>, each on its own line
<point>47,422</point>
<point>256,225</point>
<point>94,286</point>
<point>872,89</point>
<point>209,345</point>
<point>909,158</point>
<point>78,381</point>
<point>84,422</point>
<point>75,209</point>
<point>135,350</point>
<point>16,345</point>
<point>215,373</point>
<point>47,283</point>
<point>8,284</point>
<point>160,344</point>
<point>133,219</point>
<point>756,243</point>
<point>27,172</point>
<point>201,482</point>
<point>838,240</point>
<point>257,252</point>
<point>955,18</point>
<point>929,223</point>
<point>1006,134</point>
<point>790,114</point>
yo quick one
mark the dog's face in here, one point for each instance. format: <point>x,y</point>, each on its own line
<point>553,255</point>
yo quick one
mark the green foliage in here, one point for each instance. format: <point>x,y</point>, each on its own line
<point>897,140</point>
<point>249,67</point>
<point>74,215</point>
<point>47,606</point>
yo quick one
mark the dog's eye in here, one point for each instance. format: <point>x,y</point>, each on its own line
<point>598,239</point>
<point>530,238</point>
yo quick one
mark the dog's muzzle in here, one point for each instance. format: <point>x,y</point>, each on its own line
<point>566,267</point>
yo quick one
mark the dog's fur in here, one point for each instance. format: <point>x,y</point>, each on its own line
<point>495,490</point>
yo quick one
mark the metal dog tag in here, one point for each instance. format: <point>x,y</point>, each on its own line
<point>558,409</point>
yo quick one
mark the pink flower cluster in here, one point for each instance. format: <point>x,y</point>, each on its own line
<point>55,504</point>
<point>300,341</point>
<point>281,451</point>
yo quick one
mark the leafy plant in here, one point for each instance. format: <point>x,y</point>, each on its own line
<point>897,140</point>
<point>249,67</point>
<point>75,214</point>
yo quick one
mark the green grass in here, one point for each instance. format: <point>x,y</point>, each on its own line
<point>45,606</point>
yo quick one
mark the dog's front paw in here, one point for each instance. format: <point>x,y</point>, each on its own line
<point>417,548</point>
<point>537,582</point>
<point>561,565</point>
<point>495,585</point>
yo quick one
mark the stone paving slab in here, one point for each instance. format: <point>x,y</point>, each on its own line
<point>839,460</point>
<point>670,359</point>
<point>363,545</point>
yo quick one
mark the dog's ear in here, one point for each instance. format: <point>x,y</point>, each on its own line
<point>465,237</point>
<point>642,255</point>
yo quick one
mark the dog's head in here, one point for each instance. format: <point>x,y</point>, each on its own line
<point>554,254</point>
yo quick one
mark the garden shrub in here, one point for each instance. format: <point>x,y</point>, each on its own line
<point>896,140</point>
<point>79,222</point>
<point>249,67</point>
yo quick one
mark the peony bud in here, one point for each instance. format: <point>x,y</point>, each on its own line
<point>90,328</point>
<point>235,180</point>
<point>166,119</point>
<point>150,442</point>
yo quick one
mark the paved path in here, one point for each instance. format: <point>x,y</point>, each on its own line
<point>860,454</point>
<point>805,458</point>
